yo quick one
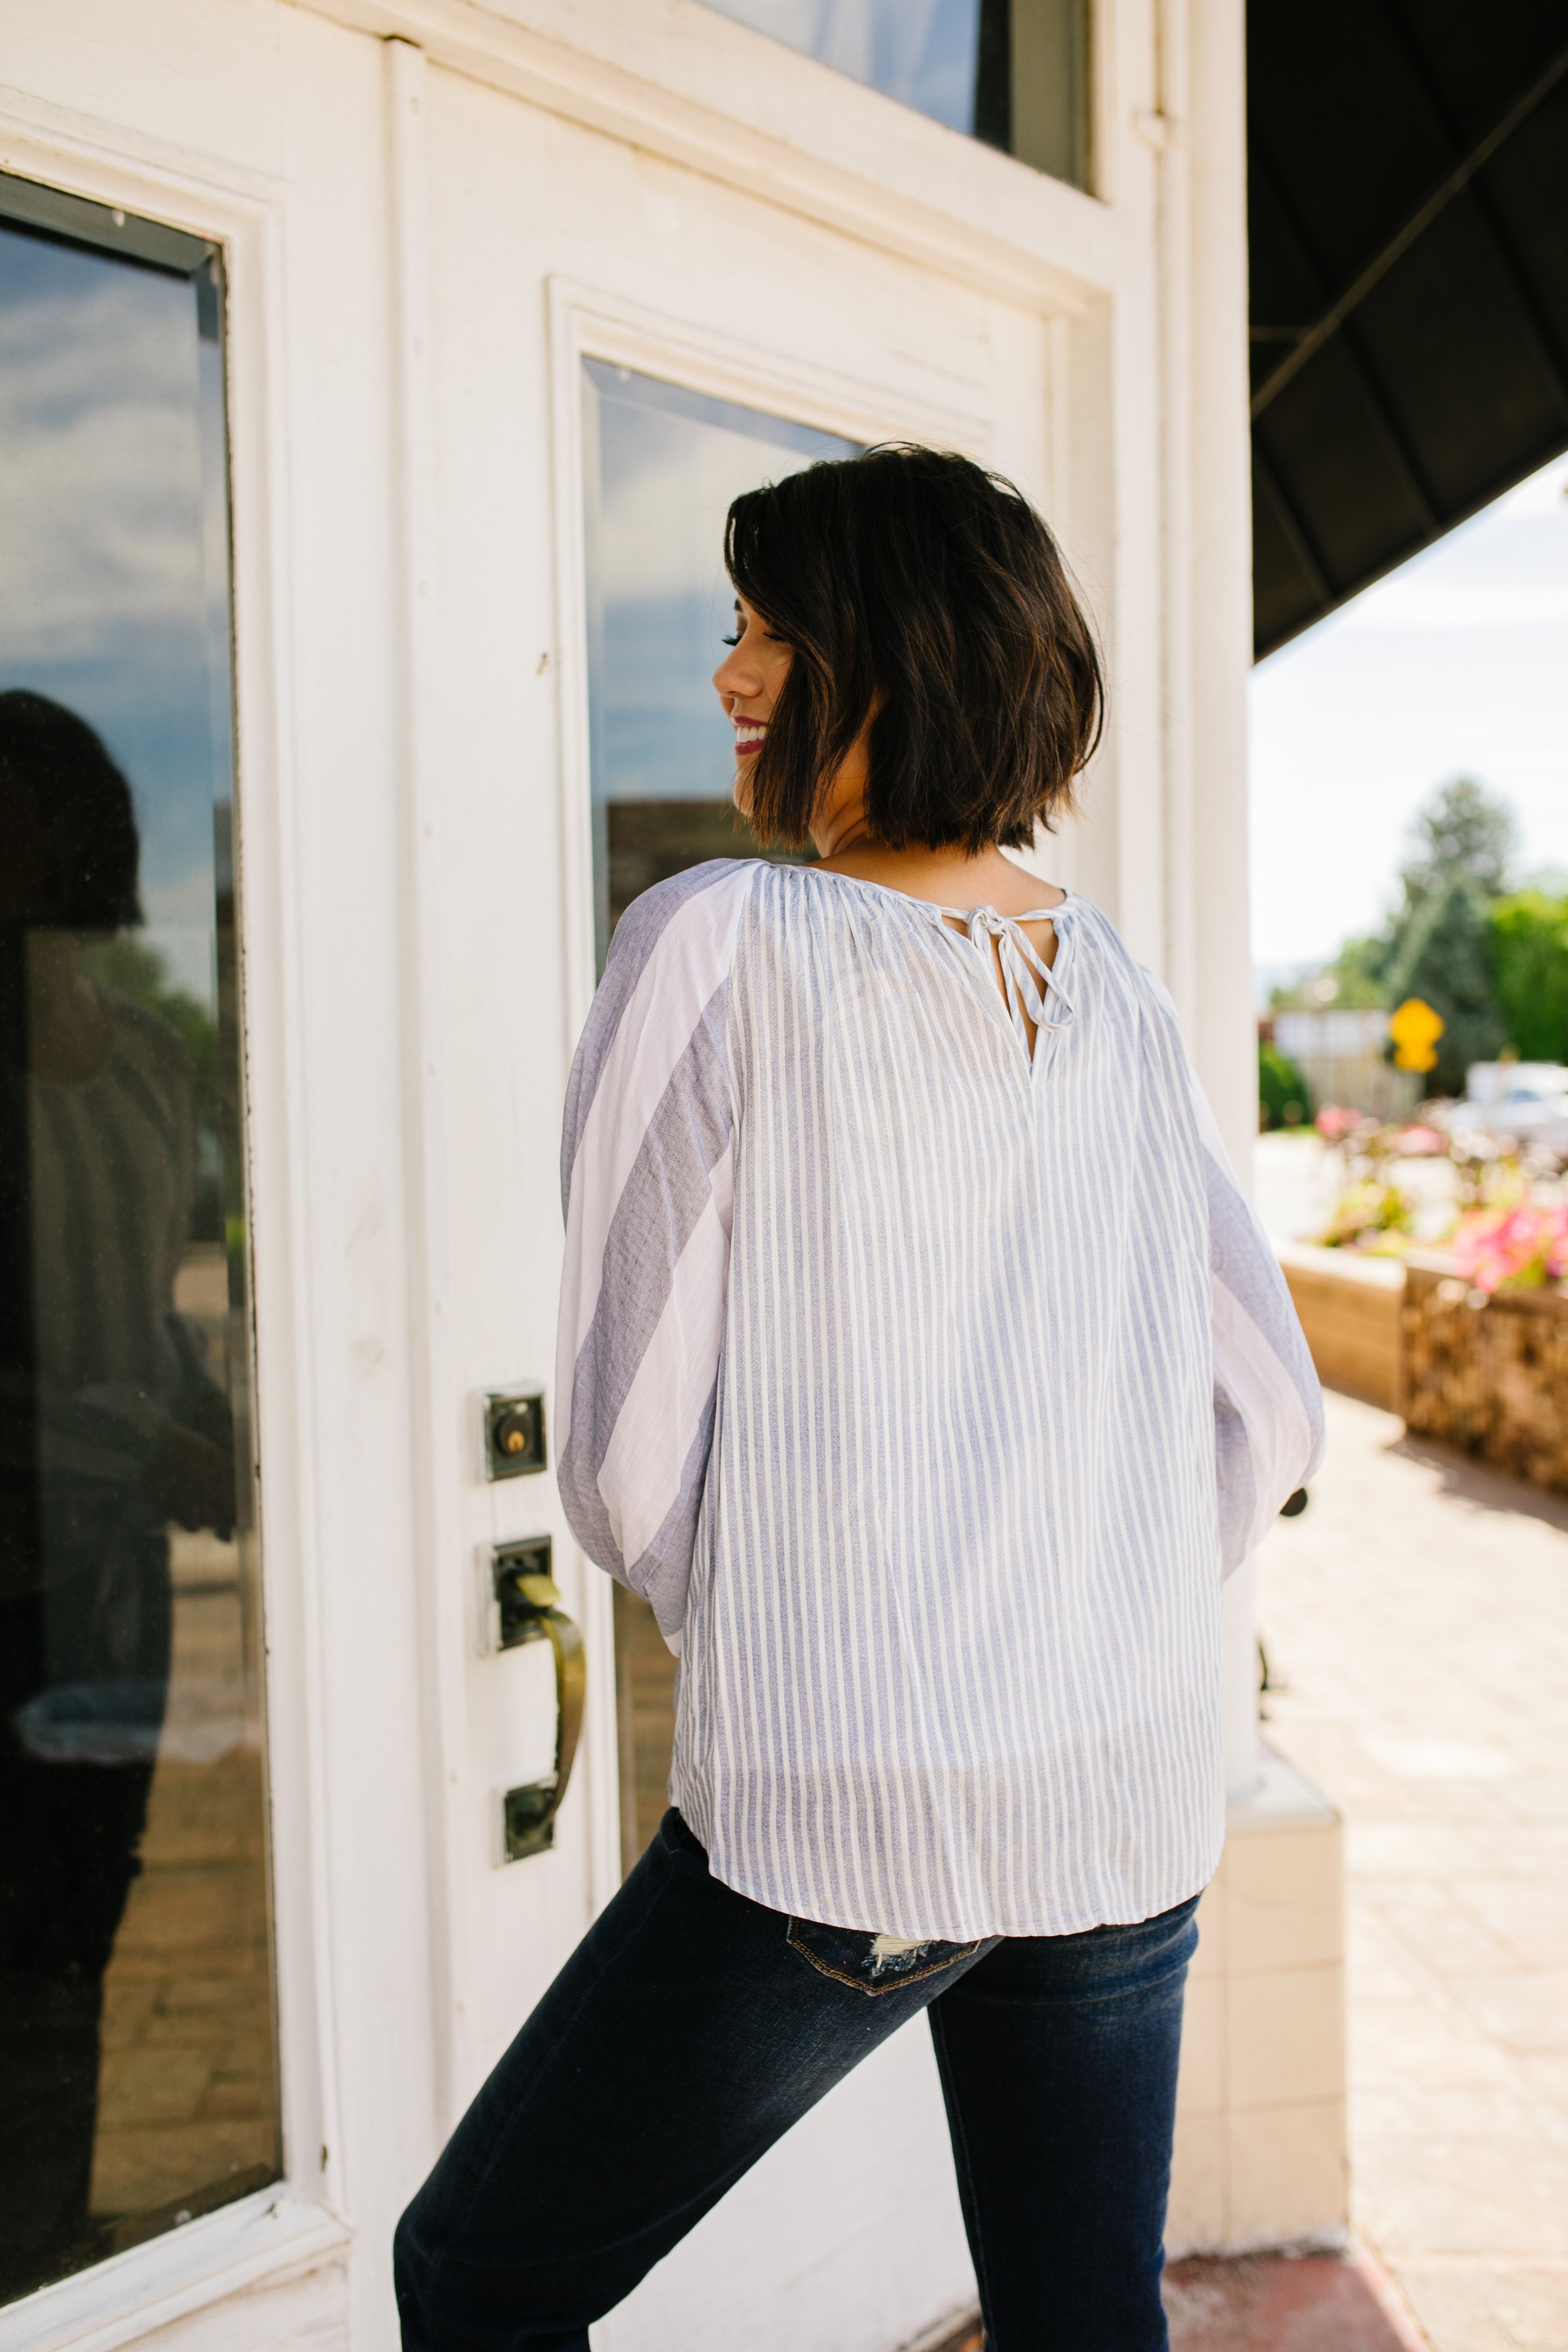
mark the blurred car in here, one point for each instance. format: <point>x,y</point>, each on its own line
<point>1529,1108</point>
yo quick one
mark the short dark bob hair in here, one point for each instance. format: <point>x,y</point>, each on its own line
<point>919,578</point>
<point>53,762</point>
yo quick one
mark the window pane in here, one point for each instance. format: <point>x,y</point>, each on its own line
<point>663,464</point>
<point>137,2074</point>
<point>1012,72</point>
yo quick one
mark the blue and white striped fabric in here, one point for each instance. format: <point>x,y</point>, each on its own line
<point>924,1389</point>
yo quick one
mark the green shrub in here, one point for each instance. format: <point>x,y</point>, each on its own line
<point>1529,961</point>
<point>1282,1089</point>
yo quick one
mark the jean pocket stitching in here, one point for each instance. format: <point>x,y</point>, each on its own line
<point>890,1984</point>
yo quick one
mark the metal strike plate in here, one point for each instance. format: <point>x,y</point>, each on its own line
<point>514,1432</point>
<point>527,1819</point>
<point>510,1563</point>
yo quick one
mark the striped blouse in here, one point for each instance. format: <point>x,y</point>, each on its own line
<point>924,1389</point>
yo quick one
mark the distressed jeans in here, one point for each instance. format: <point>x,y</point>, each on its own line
<point>693,2027</point>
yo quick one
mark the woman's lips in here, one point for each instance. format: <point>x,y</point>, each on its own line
<point>749,738</point>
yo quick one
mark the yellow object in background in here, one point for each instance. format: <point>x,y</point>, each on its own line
<point>1415,1029</point>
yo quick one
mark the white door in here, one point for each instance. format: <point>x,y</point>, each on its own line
<point>620,347</point>
<point>507,322</point>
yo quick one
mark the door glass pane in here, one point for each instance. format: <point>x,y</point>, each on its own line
<point>1012,72</point>
<point>137,2073</point>
<point>663,464</point>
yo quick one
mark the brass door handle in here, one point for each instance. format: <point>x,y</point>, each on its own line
<point>531,1610</point>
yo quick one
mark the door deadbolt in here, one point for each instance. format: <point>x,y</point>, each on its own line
<point>514,1432</point>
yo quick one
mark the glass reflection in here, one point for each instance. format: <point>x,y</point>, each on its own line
<point>924,52</point>
<point>136,2060</point>
<point>1013,73</point>
<point>663,464</point>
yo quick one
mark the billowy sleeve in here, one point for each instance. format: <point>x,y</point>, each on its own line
<point>646,1177</point>
<point>1268,1404</point>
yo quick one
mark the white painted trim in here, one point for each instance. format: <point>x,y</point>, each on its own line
<point>113,163</point>
<point>1104,113</point>
<point>261,2240</point>
<point>608,328</point>
<point>568,313</point>
<point>700,89</point>
<point>1173,172</point>
<point>565,308</point>
<point>1058,428</point>
<point>439,1450</point>
<point>269,866</point>
<point>108,166</point>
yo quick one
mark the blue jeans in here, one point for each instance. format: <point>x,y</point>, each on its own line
<point>691,2027</point>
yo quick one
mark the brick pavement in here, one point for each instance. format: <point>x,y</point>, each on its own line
<point>187,2099</point>
<point>1416,1623</point>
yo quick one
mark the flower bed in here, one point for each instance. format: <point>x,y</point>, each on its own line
<point>1487,1373</point>
<point>1470,1346</point>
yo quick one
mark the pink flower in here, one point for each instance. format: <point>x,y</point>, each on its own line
<point>1333,1123</point>
<point>1520,1247</point>
<point>1420,1142</point>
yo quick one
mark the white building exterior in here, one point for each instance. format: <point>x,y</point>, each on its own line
<point>430,211</point>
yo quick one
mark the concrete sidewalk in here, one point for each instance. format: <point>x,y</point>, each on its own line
<point>1416,1620</point>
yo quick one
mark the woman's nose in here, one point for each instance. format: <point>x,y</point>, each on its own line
<point>736,677</point>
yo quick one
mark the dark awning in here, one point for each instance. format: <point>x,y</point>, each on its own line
<point>1408,211</point>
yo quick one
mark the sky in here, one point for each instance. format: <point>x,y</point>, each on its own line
<point>1454,665</point>
<point>670,462</point>
<point>111,602</point>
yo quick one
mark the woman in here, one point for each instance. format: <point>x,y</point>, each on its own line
<point>111,1425</point>
<point>922,1364</point>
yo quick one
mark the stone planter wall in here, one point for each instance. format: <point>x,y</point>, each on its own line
<point>1349,1308</point>
<point>1492,1379</point>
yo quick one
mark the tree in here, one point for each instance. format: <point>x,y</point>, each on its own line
<point>126,966</point>
<point>1439,945</point>
<point>1359,972</point>
<point>1530,963</point>
<point>1443,953</point>
<point>1352,982</point>
<point>1460,830</point>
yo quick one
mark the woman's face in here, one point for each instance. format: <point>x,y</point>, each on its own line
<point>748,683</point>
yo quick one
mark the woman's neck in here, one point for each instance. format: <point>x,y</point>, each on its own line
<point>945,878</point>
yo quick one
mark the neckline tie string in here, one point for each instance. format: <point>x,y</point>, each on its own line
<point>1025,977</point>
